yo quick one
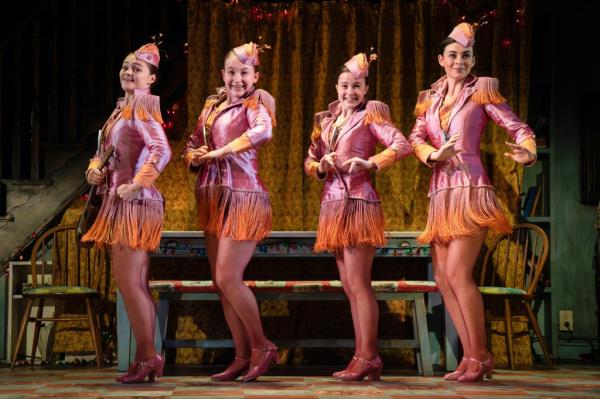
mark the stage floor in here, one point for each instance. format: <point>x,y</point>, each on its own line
<point>563,382</point>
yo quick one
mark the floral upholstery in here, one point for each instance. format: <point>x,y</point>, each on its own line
<point>60,290</point>
<point>501,291</point>
<point>294,286</point>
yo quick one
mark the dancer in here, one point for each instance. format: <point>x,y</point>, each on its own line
<point>351,222</point>
<point>130,219</point>
<point>233,203</point>
<point>452,116</point>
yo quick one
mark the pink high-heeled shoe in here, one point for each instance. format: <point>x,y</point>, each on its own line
<point>371,368</point>
<point>338,374</point>
<point>132,369</point>
<point>263,366</point>
<point>150,368</point>
<point>453,376</point>
<point>235,369</point>
<point>485,368</point>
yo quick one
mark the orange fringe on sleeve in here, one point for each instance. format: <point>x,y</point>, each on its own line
<point>384,159</point>
<point>316,131</point>
<point>487,91</point>
<point>146,175</point>
<point>142,107</point>
<point>377,112</point>
<point>423,102</point>
<point>264,98</point>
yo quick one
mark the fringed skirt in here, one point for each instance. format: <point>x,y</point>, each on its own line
<point>462,212</point>
<point>242,215</point>
<point>350,223</point>
<point>135,224</point>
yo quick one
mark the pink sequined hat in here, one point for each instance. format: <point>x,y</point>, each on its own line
<point>248,53</point>
<point>148,53</point>
<point>464,33</point>
<point>359,65</point>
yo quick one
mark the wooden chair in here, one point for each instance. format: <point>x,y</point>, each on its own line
<point>62,271</point>
<point>512,268</point>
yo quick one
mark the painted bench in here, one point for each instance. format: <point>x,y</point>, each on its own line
<point>326,290</point>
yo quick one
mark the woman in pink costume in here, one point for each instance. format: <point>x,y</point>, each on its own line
<point>452,117</point>
<point>130,219</point>
<point>233,203</point>
<point>351,223</point>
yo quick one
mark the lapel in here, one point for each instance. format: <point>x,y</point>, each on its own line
<point>464,95</point>
<point>114,117</point>
<point>327,123</point>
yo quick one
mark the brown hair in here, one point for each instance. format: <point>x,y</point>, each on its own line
<point>345,69</point>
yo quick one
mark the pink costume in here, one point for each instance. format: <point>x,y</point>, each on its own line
<point>350,211</point>
<point>462,199</point>
<point>232,199</point>
<point>141,153</point>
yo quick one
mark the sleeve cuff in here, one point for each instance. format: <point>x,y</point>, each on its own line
<point>530,145</point>
<point>384,159</point>
<point>240,144</point>
<point>146,176</point>
<point>423,151</point>
<point>313,169</point>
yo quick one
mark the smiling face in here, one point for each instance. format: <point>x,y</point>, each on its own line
<point>135,74</point>
<point>239,78</point>
<point>457,60</point>
<point>351,91</point>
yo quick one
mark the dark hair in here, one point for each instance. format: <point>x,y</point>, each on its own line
<point>446,42</point>
<point>345,69</point>
<point>232,53</point>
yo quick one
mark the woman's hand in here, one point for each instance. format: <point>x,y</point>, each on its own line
<point>214,154</point>
<point>357,164</point>
<point>519,153</point>
<point>95,176</point>
<point>129,192</point>
<point>327,163</point>
<point>446,151</point>
<point>197,155</point>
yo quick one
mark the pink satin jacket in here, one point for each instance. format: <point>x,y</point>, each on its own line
<point>137,141</point>
<point>470,117</point>
<point>356,138</point>
<point>239,171</point>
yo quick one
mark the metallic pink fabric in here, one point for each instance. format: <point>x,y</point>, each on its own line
<point>236,171</point>
<point>464,169</point>
<point>136,142</point>
<point>355,139</point>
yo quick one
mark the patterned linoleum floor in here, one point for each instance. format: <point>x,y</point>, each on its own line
<point>562,382</point>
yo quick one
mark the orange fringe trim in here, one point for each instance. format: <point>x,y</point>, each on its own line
<point>377,112</point>
<point>143,106</point>
<point>136,224</point>
<point>242,215</point>
<point>350,223</point>
<point>264,98</point>
<point>487,91</point>
<point>423,102</point>
<point>461,212</point>
<point>316,132</point>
